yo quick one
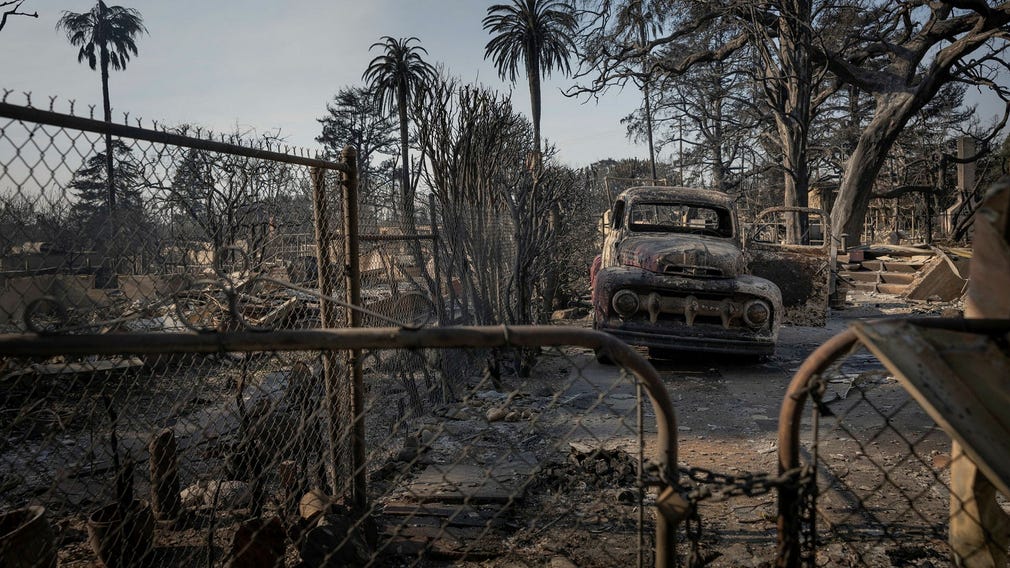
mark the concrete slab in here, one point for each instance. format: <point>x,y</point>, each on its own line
<point>459,483</point>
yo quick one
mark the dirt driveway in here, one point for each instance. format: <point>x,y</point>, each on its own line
<point>879,506</point>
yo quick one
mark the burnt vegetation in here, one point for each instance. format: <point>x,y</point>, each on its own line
<point>434,202</point>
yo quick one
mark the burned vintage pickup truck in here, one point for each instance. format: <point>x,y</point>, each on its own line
<point>677,274</point>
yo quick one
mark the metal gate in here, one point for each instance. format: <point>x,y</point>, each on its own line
<point>223,439</point>
<point>878,418</point>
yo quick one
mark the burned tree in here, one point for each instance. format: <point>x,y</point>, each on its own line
<point>117,231</point>
<point>228,201</point>
<point>355,118</point>
<point>918,171</point>
<point>536,34</point>
<point>475,144</point>
<point>909,52</point>
<point>495,220</point>
<point>710,119</point>
<point>398,78</point>
<point>10,8</point>
<point>898,54</point>
<point>106,38</point>
<point>23,219</point>
<point>695,35</point>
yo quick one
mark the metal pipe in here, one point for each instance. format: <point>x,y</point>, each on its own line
<point>790,418</point>
<point>327,318</point>
<point>352,274</point>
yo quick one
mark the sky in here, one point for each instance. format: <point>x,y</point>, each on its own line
<point>273,65</point>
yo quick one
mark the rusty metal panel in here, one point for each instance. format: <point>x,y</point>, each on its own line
<point>798,262</point>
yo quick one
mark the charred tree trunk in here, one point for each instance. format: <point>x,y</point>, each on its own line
<point>107,108</point>
<point>718,169</point>
<point>406,193</point>
<point>848,213</point>
<point>793,118</point>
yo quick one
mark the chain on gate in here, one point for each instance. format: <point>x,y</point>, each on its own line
<point>713,487</point>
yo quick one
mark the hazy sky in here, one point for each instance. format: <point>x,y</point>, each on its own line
<point>275,64</point>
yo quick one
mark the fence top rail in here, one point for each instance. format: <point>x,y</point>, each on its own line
<point>41,345</point>
<point>29,114</point>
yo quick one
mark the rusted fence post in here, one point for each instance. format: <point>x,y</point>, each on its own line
<point>352,274</point>
<point>327,316</point>
<point>979,528</point>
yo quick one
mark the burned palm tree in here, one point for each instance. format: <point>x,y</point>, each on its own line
<point>106,38</point>
<point>396,77</point>
<point>536,34</point>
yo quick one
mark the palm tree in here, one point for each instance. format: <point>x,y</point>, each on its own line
<point>105,36</point>
<point>396,77</point>
<point>536,33</point>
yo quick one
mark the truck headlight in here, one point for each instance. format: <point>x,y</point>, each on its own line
<point>757,313</point>
<point>625,303</point>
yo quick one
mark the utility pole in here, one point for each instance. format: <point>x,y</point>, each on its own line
<point>647,74</point>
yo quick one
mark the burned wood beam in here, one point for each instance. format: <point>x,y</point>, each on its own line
<point>979,527</point>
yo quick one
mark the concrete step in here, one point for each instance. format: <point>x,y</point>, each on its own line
<point>876,281</point>
<point>885,277</point>
<point>897,277</point>
<point>856,285</point>
<point>892,265</point>
<point>896,289</point>
<point>859,276</point>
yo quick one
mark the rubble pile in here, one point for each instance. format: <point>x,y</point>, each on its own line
<point>587,469</point>
<point>917,274</point>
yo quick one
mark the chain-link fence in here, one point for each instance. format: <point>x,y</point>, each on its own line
<point>891,489</point>
<point>175,399</point>
<point>113,228</point>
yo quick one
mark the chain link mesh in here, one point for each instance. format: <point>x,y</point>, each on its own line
<point>883,469</point>
<point>180,457</point>
<point>220,458</point>
<point>244,458</point>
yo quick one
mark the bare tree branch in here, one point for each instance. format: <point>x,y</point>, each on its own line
<point>13,11</point>
<point>903,190</point>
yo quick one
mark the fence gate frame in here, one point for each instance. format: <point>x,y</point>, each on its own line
<point>349,339</point>
<point>797,509</point>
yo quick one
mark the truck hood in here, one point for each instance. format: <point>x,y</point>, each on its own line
<point>683,255</point>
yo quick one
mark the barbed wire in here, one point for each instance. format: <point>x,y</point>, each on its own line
<point>199,132</point>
